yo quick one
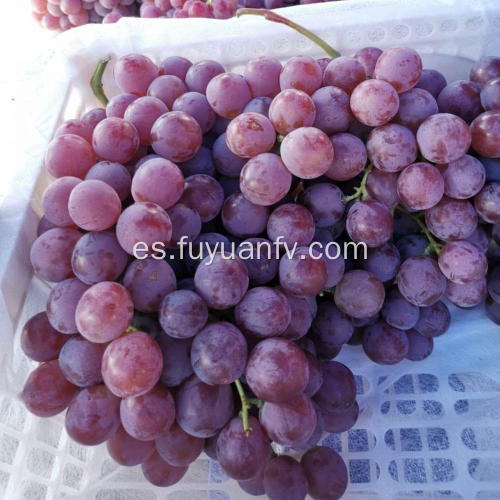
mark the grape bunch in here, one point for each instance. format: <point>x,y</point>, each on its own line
<point>61,15</point>
<point>164,355</point>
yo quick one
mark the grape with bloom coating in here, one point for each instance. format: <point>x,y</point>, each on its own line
<point>183,313</point>
<point>80,361</point>
<point>132,364</point>
<point>374,102</point>
<point>487,202</point>
<point>104,312</point>
<point>420,281</point>
<point>420,186</point>
<point>419,347</point>
<point>333,113</point>
<point>160,473</point>
<point>128,451</point>
<point>370,222</point>
<point>250,134</point>
<point>177,447</point>
<point>301,73</point>
<point>50,254</point>
<point>118,104</point>
<point>485,130</point>
<point>400,66</point>
<point>290,423</point>
<point>200,73</point>
<point>46,392</point>
<point>39,340</point>
<point>303,274</point>
<point>341,420</point>
<point>294,223</point>
<point>307,152</point>
<point>93,416</point>
<point>460,98</point>
<point>176,360</point>
<point>94,205</point>
<point>451,219</point>
<point>277,370</point>
<point>176,136</point>
<point>398,312</point>
<point>284,478</point>
<point>490,95</point>
<point>368,57</point>
<point>209,352</point>
<point>468,295</point>
<point>148,416</point>
<point>383,261</point>
<point>344,73</point>
<point>241,455</point>
<point>264,180</point>
<point>114,174</point>
<point>462,262</point>
<point>115,139</point>
<point>414,107</point>
<point>326,473</point>
<point>291,109</point>
<point>463,178</point>
<point>242,218</point>
<point>431,80</point>
<point>385,344</point>
<point>228,94</point>
<point>69,155</point>
<point>134,72</point>
<point>262,75</point>
<point>145,223</point>
<point>485,69</point>
<point>167,88</point>
<point>360,294</point>
<point>324,202</point>
<point>263,312</point>
<point>330,328</point>
<point>55,201</point>
<point>203,194</point>
<point>443,137</point>
<point>433,320</point>
<point>391,147</point>
<point>202,409</point>
<point>338,390</point>
<point>349,157</point>
<point>383,187</point>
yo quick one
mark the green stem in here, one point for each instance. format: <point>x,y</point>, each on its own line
<point>245,406</point>
<point>131,328</point>
<point>434,246</point>
<point>276,18</point>
<point>96,81</point>
<point>256,402</point>
<point>360,192</point>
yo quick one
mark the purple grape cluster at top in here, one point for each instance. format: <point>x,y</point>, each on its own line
<point>66,14</point>
<point>157,357</point>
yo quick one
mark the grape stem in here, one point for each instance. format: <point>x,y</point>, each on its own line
<point>360,192</point>
<point>433,246</point>
<point>131,328</point>
<point>276,18</point>
<point>96,81</point>
<point>245,406</point>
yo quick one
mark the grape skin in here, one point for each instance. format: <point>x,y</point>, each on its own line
<point>462,262</point>
<point>294,223</point>
<point>209,353</point>
<point>468,295</point>
<point>338,390</point>
<point>69,155</point>
<point>370,222</point>
<point>277,370</point>
<point>341,420</point>
<point>160,473</point>
<point>344,73</point>
<point>291,109</point>
<point>242,218</point>
<point>55,201</point>
<point>433,320</point>
<point>148,416</point>
<point>284,478</point>
<point>385,344</point>
<point>420,347</point>
<point>177,447</point>
<point>128,451</point>
<point>349,158</point>
<point>400,66</point>
<point>420,186</point>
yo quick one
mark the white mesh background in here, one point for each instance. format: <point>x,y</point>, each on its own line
<point>427,430</point>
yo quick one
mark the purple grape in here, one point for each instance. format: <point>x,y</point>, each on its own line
<point>398,312</point>
<point>148,416</point>
<point>420,347</point>
<point>277,370</point>
<point>46,392</point>
<point>242,454</point>
<point>262,266</point>
<point>177,447</point>
<point>400,66</point>
<point>383,187</point>
<point>368,57</point>
<point>463,178</point>
<point>55,201</point>
<point>293,223</point>
<point>199,74</point>
<point>197,106</point>
<point>451,219</point>
<point>469,295</point>
<point>242,218</point>
<point>432,81</point>
<point>420,186</point>
<point>262,75</point>
<point>487,202</point>
<point>433,320</point>
<point>128,451</point>
<point>324,201</point>
<point>330,328</point>
<point>290,423</point>
<point>203,194</point>
<point>385,344</point>
<point>209,353</point>
<point>414,107</point>
<point>113,174</point>
<point>134,73</point>
<point>333,113</point>
<point>420,281</point>
<point>462,262</point>
<point>258,105</point>
<point>374,102</point>
<point>490,95</point>
<point>345,73</point>
<point>160,473</point>
<point>228,94</point>
<point>360,294</point>
<point>341,420</point>
<point>291,109</point>
<point>383,262</point>
<point>203,410</point>
<point>349,159</point>
<point>69,155</point>
<point>93,416</point>
<point>338,390</point>
<point>460,98</point>
<point>284,478</point>
<point>301,73</point>
<point>176,360</point>
<point>370,222</point>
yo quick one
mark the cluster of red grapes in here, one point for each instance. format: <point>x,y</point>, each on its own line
<point>157,356</point>
<point>66,14</point>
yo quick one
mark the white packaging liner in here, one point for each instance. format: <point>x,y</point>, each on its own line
<point>427,430</point>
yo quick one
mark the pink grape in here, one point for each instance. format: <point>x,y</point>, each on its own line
<point>55,201</point>
<point>262,75</point>
<point>250,134</point>
<point>118,105</point>
<point>391,147</point>
<point>197,106</point>
<point>132,364</point>
<point>301,73</point>
<point>368,57</point>
<point>128,451</point>
<point>75,127</point>
<point>451,219</point>
<point>94,205</point>
<point>115,139</point>
<point>485,130</point>
<point>487,202</point>
<point>176,136</point>
<point>143,113</point>
<point>443,137</point>
<point>69,155</point>
<point>228,94</point>
<point>333,112</point>
<point>200,73</point>
<point>467,295</point>
<point>160,473</point>
<point>463,178</point>
<point>291,109</point>
<point>370,222</point>
<point>420,186</point>
<point>203,194</point>
<point>148,416</point>
<point>307,152</point>
<point>294,223</point>
<point>399,66</point>
<point>143,222</point>
<point>104,312</point>
<point>167,88</point>
<point>414,107</point>
<point>40,341</point>
<point>264,180</point>
<point>349,157</point>
<point>134,73</point>
<point>345,73</point>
